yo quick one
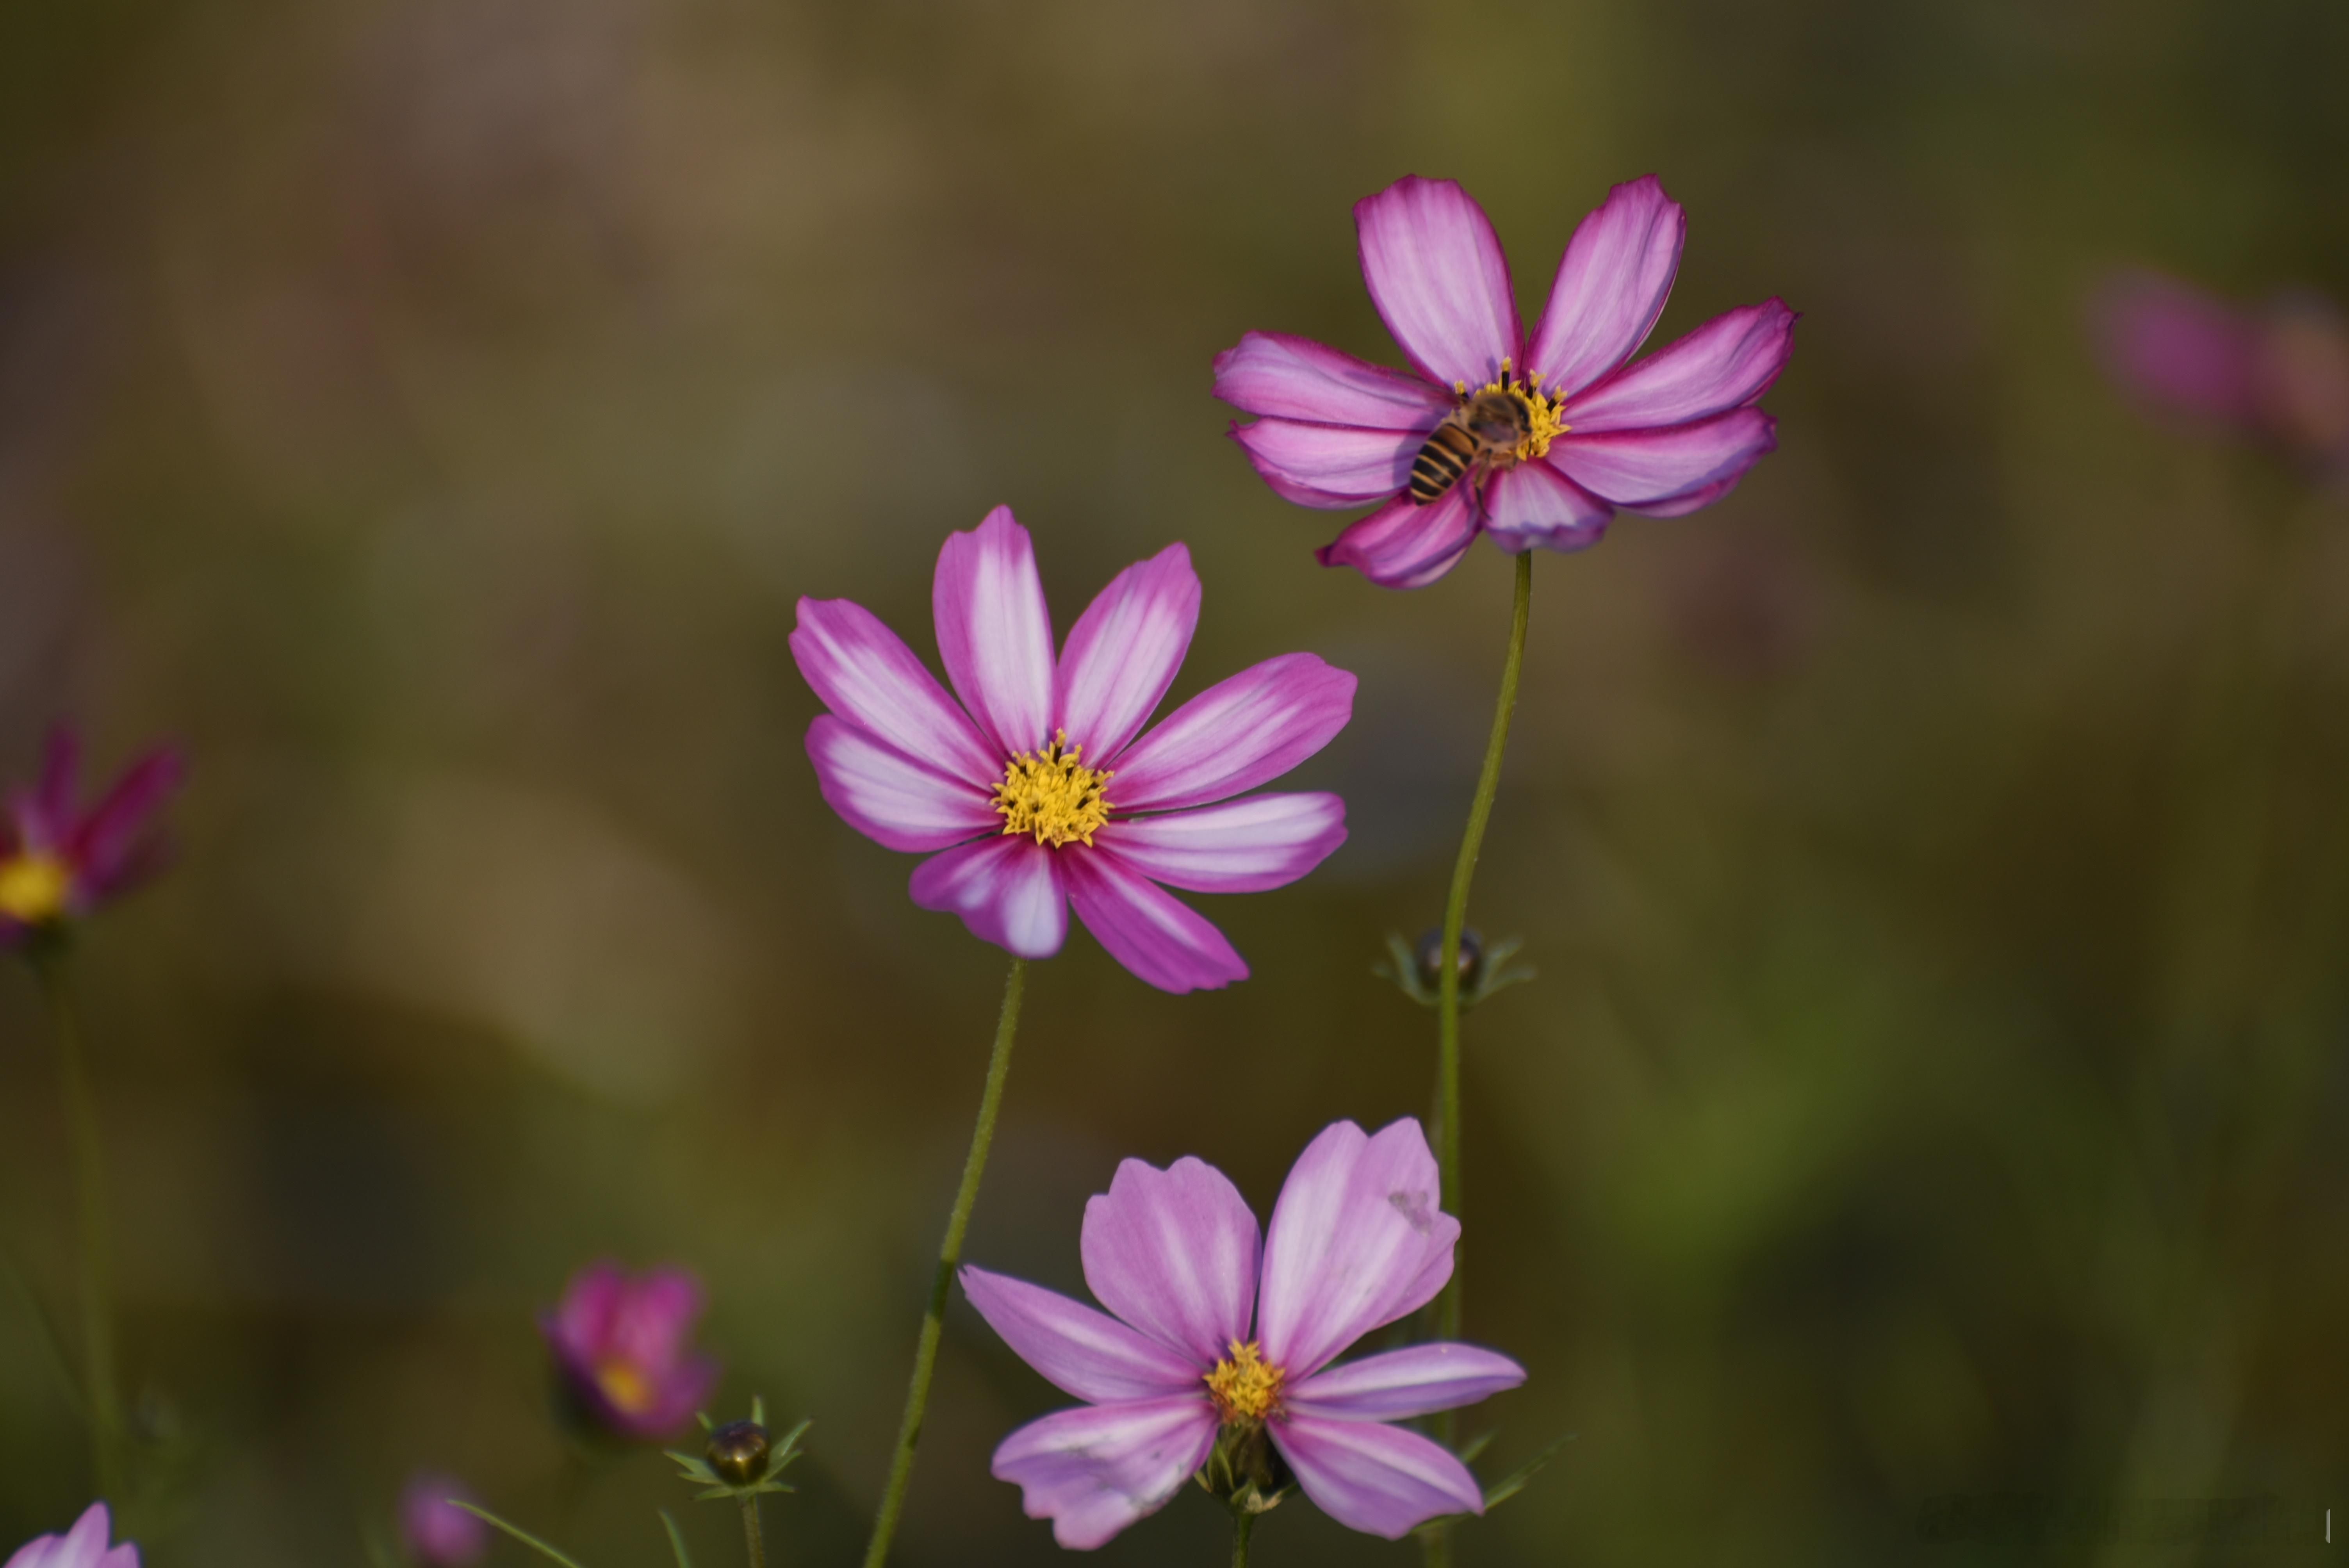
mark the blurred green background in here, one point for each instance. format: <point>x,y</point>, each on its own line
<point>1934,854</point>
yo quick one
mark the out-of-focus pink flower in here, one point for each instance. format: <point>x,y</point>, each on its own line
<point>437,1532</point>
<point>623,1346</point>
<point>59,861</point>
<point>2279,372</point>
<point>1216,1332</point>
<point>1035,786</point>
<point>1582,431</point>
<point>83,1546</point>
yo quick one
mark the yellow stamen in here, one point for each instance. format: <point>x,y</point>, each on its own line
<point>1543,424</point>
<point>34,888</point>
<point>1052,794</point>
<point>1244,1387</point>
<point>624,1383</point>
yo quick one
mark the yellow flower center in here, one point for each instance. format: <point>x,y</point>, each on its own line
<point>624,1383</point>
<point>1052,794</point>
<point>1245,1385</point>
<point>34,888</point>
<point>1543,423</point>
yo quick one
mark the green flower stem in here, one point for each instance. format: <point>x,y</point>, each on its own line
<point>926,1350</point>
<point>754,1538</point>
<point>1438,1541</point>
<point>97,1284</point>
<point>1242,1523</point>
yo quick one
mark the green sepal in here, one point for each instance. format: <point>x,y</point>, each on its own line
<point>780,1451</point>
<point>1401,969</point>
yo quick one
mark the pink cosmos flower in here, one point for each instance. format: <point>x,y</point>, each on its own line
<point>623,1349</point>
<point>58,861</point>
<point>1036,787</point>
<point>1584,432</point>
<point>1213,1333</point>
<point>83,1546</point>
<point>2279,372</point>
<point>437,1532</point>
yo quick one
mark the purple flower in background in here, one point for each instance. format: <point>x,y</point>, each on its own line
<point>2279,373</point>
<point>436,1532</point>
<point>623,1349</point>
<point>1533,440</point>
<point>83,1546</point>
<point>1214,1332</point>
<point>1036,787</point>
<point>58,861</point>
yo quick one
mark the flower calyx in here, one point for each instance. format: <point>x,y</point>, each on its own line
<point>1245,1471</point>
<point>741,1459</point>
<point>1417,969</point>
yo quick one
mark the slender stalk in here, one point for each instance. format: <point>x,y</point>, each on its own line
<point>1436,1543</point>
<point>926,1349</point>
<point>1242,1523</point>
<point>754,1538</point>
<point>97,1283</point>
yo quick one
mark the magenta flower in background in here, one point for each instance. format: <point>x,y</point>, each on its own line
<point>436,1532</point>
<point>1214,1333</point>
<point>623,1346</point>
<point>1549,434</point>
<point>83,1546</point>
<point>2279,372</point>
<point>1035,788</point>
<point>59,861</point>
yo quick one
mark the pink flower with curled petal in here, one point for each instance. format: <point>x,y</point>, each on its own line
<point>1585,431</point>
<point>623,1350</point>
<point>1214,1333</point>
<point>436,1532</point>
<point>83,1546</point>
<point>1040,790</point>
<point>59,861</point>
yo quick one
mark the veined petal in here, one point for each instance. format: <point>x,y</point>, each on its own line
<point>864,673</point>
<point>1237,734</point>
<point>1079,1350</point>
<point>1379,1479</point>
<point>1533,504</point>
<point>1406,545</point>
<point>1725,364</point>
<point>1358,1238</point>
<point>1643,468</point>
<point>1150,931</point>
<point>994,633</point>
<point>1248,845</point>
<point>1092,1471</point>
<point>1174,1252</point>
<point>1610,286</point>
<point>888,796</point>
<point>1007,889</point>
<point>1297,378</point>
<point>1400,1383</point>
<point>1330,465</point>
<point>1124,652</point>
<point>107,846</point>
<point>1436,272</point>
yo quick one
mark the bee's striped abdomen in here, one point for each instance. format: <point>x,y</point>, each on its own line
<point>1441,462</point>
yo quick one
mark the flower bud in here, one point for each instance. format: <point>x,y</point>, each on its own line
<point>1429,959</point>
<point>738,1452</point>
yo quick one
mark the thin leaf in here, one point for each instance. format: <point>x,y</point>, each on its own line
<point>1507,1487</point>
<point>675,1541</point>
<point>1476,1445</point>
<point>517,1532</point>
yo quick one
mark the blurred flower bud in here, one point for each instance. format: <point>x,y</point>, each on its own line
<point>622,1346</point>
<point>436,1532</point>
<point>1428,959</point>
<point>738,1452</point>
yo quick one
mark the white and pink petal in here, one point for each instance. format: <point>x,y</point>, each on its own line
<point>1297,378</point>
<point>1398,1384</point>
<point>1094,1471</point>
<point>1331,465</point>
<point>1249,845</point>
<point>1643,468</point>
<point>1533,504</point>
<point>1079,1350</point>
<point>1377,1478</point>
<point>1725,364</point>
<point>994,635</point>
<point>1124,652</point>
<point>1611,284</point>
<point>864,673</point>
<point>1244,730</point>
<point>1007,889</point>
<point>1174,1252</point>
<point>1154,935</point>
<point>1437,275</point>
<point>888,796</point>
